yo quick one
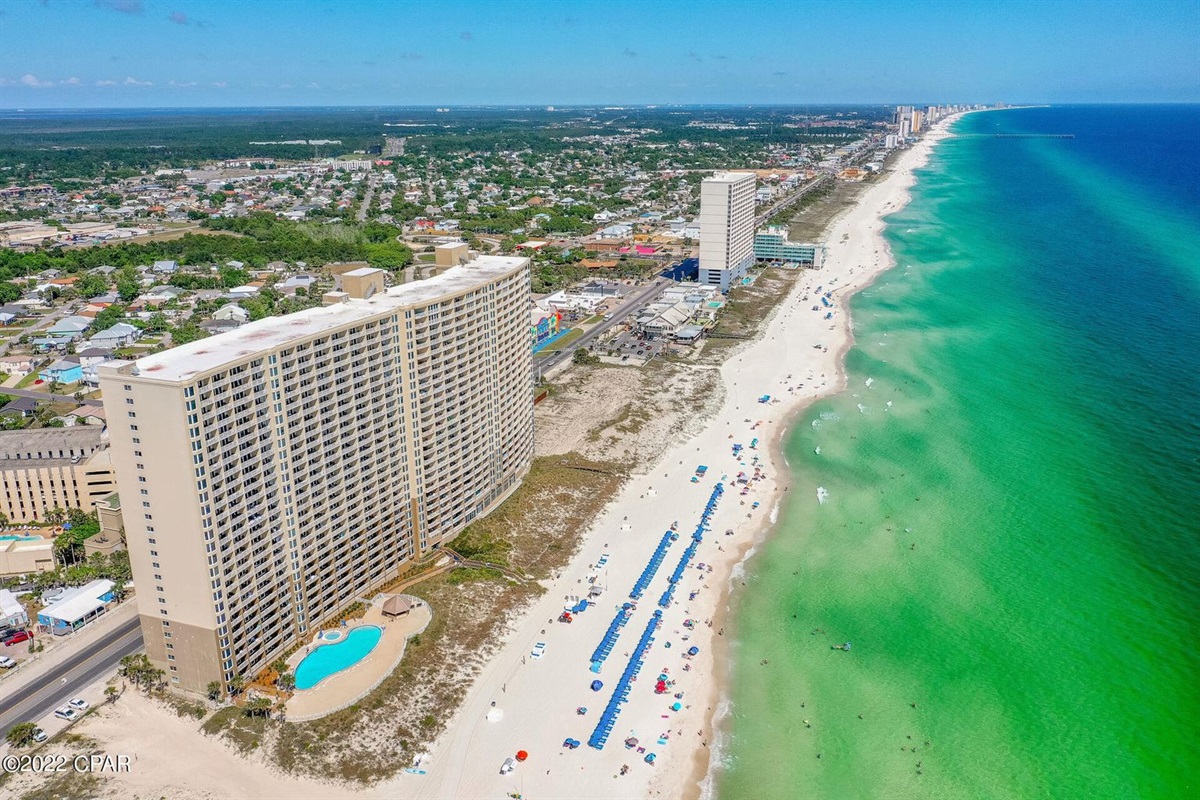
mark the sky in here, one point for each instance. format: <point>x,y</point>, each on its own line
<point>187,53</point>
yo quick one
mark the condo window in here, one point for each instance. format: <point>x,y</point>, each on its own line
<point>132,413</point>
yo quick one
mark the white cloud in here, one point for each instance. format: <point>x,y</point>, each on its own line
<point>34,82</point>
<point>71,82</point>
<point>285,86</point>
<point>106,83</point>
<point>220,84</point>
<point>314,85</point>
<point>131,81</point>
<point>183,85</point>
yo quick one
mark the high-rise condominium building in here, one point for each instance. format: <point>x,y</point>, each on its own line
<point>272,474</point>
<point>726,227</point>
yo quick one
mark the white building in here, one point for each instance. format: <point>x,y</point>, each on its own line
<point>726,228</point>
<point>275,473</point>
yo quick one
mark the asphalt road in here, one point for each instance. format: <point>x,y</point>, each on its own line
<point>68,679</point>
<point>47,396</point>
<point>543,364</point>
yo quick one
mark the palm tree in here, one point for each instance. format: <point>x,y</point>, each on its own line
<point>286,681</point>
<point>111,693</point>
<point>237,683</point>
<point>21,734</point>
<point>259,706</point>
<point>214,690</point>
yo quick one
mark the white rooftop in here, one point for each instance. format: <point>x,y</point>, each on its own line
<point>78,603</point>
<point>729,177</point>
<point>204,355</point>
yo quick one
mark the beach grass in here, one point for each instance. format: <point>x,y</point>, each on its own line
<point>533,533</point>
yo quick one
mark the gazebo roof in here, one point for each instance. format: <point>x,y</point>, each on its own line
<point>396,605</point>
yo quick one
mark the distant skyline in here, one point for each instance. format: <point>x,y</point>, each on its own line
<point>161,53</point>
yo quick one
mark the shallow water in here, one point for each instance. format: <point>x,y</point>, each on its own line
<point>1009,538</point>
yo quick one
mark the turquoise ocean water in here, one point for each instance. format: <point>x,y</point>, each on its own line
<point>1012,537</point>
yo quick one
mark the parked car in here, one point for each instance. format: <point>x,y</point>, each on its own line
<point>17,638</point>
<point>7,663</point>
<point>508,766</point>
<point>78,703</point>
<point>39,735</point>
<point>67,713</point>
<point>539,650</point>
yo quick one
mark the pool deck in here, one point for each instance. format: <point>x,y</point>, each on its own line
<point>347,687</point>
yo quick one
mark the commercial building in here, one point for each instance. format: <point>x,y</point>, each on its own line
<point>273,474</point>
<point>726,227</point>
<point>24,555</point>
<point>73,608</point>
<point>49,468</point>
<point>772,244</point>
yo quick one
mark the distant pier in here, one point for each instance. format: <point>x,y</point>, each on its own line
<point>1002,135</point>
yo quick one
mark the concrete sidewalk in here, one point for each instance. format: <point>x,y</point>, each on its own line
<point>60,648</point>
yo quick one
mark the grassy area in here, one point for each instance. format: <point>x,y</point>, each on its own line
<point>533,531</point>
<point>427,258</point>
<point>28,380</point>
<point>67,786</point>
<point>591,320</point>
<point>817,210</point>
<point>565,341</point>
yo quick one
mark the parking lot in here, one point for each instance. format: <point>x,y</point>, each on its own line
<point>628,346</point>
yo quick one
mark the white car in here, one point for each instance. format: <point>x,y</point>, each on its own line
<point>79,704</point>
<point>7,663</point>
<point>40,736</point>
<point>67,713</point>
<point>539,650</point>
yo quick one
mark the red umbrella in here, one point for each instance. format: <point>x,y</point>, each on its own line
<point>522,755</point>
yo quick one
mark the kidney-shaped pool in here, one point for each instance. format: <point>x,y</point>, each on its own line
<point>328,659</point>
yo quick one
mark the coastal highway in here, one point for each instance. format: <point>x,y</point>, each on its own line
<point>66,680</point>
<point>544,364</point>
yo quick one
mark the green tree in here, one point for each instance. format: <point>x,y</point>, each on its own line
<point>259,706</point>
<point>237,683</point>
<point>9,292</point>
<point>91,285</point>
<point>128,290</point>
<point>111,693</point>
<point>21,734</point>
<point>286,681</point>
<point>214,690</point>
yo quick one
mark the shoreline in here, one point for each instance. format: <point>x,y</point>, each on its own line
<point>519,701</point>
<point>702,784</point>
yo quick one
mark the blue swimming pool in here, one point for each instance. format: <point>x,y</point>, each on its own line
<point>10,538</point>
<point>330,658</point>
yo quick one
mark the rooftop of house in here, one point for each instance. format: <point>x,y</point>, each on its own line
<point>191,360</point>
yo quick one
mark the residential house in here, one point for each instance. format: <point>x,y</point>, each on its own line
<point>161,294</point>
<point>301,281</point>
<point>121,334</point>
<point>70,328</point>
<point>232,313</point>
<point>165,267</point>
<point>23,407</point>
<point>65,371</point>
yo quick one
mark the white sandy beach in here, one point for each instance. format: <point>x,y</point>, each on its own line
<point>536,699</point>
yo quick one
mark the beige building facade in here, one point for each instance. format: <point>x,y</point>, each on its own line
<point>272,475</point>
<point>50,468</point>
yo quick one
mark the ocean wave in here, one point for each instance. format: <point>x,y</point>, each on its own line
<point>822,495</point>
<point>830,416</point>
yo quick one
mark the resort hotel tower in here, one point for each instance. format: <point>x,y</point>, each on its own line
<point>726,228</point>
<point>273,474</point>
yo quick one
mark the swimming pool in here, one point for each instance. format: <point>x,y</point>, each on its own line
<point>327,659</point>
<point>20,538</point>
